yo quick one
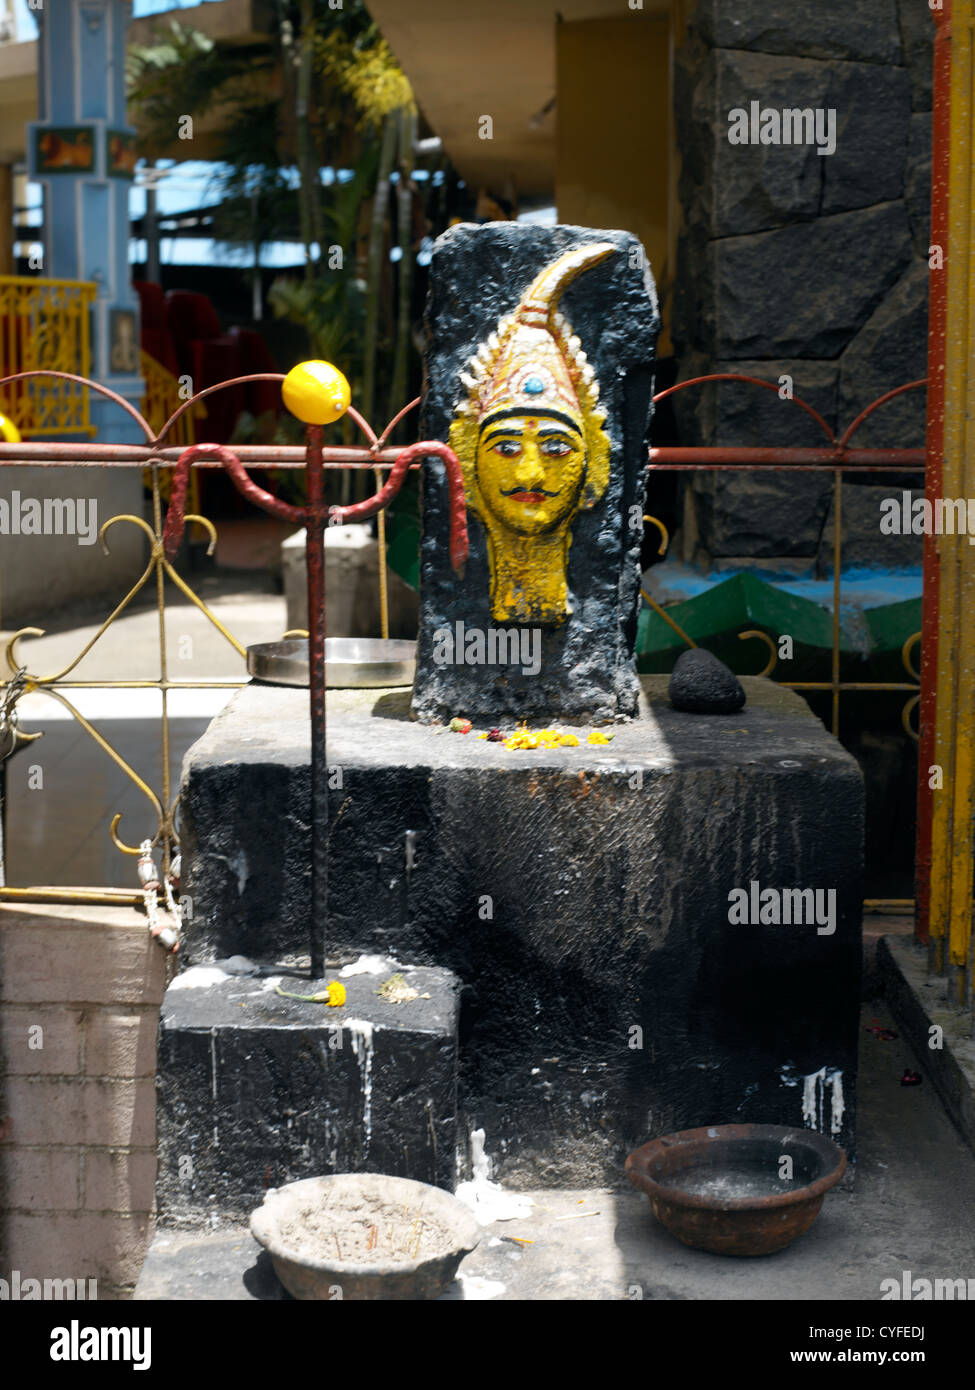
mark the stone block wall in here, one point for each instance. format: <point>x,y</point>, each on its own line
<point>80,989</point>
<point>792,263</point>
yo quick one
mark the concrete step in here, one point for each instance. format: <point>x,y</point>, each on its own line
<point>256,1090</point>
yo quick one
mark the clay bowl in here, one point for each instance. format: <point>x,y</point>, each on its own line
<point>719,1188</point>
<point>318,1233</point>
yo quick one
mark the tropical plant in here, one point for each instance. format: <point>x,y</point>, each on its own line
<point>322,91</point>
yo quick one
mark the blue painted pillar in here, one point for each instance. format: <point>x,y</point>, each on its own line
<point>83,154</point>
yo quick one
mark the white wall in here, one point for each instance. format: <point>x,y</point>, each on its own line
<point>41,573</point>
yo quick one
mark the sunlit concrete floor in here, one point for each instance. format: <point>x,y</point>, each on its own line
<point>63,790</point>
<point>910,1208</point>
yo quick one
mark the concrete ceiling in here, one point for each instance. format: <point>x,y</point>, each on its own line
<point>467,59</point>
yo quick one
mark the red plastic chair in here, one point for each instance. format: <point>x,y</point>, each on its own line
<point>255,356</point>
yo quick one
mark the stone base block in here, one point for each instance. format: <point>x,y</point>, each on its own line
<point>352,604</point>
<point>256,1090</point>
<point>583,895</point>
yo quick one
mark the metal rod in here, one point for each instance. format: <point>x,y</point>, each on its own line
<point>78,455</point>
<point>315,517</point>
<point>837,548</point>
<point>316,521</point>
<point>109,897</point>
<point>679,458</point>
<point>383,575</point>
<point>674,459</point>
<point>937,316</point>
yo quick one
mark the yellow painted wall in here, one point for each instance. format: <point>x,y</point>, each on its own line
<point>613,166</point>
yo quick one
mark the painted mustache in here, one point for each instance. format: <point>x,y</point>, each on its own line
<point>526,494</point>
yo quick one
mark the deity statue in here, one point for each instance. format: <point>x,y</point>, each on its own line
<point>532,445</point>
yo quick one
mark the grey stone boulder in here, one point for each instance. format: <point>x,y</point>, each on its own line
<point>701,684</point>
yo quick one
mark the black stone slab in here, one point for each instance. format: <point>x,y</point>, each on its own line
<point>255,1090</point>
<point>478,274</point>
<point>578,893</point>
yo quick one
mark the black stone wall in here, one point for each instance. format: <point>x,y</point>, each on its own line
<point>799,264</point>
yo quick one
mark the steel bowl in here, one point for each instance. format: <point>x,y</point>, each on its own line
<point>324,1276</point>
<point>723,1189</point>
<point>350,662</point>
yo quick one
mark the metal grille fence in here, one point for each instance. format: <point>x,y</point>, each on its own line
<point>44,325</point>
<point>836,456</point>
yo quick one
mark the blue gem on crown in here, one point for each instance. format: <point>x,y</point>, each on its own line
<point>534,386</point>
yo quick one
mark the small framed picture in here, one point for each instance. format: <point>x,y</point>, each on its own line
<point>120,154</point>
<point>123,344</point>
<point>64,149</point>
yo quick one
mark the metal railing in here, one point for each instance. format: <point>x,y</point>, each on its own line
<point>157,457</point>
<point>837,456</point>
<point>166,446</point>
<point>45,326</point>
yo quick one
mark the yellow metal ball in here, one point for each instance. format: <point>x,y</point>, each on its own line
<point>9,432</point>
<point>316,392</point>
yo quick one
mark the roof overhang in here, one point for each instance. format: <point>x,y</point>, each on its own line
<point>467,60</point>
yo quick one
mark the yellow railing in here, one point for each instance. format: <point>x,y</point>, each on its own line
<point>162,399</point>
<point>46,324</point>
<point>952,870</point>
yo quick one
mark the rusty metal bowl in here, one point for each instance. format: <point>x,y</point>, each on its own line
<point>719,1188</point>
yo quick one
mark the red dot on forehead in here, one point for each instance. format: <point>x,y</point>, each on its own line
<point>532,424</point>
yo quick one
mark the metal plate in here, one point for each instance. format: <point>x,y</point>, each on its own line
<point>350,662</point>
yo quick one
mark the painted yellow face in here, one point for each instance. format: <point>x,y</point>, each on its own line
<point>530,470</point>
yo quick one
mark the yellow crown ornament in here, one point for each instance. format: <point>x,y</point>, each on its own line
<point>316,392</point>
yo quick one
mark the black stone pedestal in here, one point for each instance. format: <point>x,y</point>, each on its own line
<point>255,1090</point>
<point>623,974</point>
